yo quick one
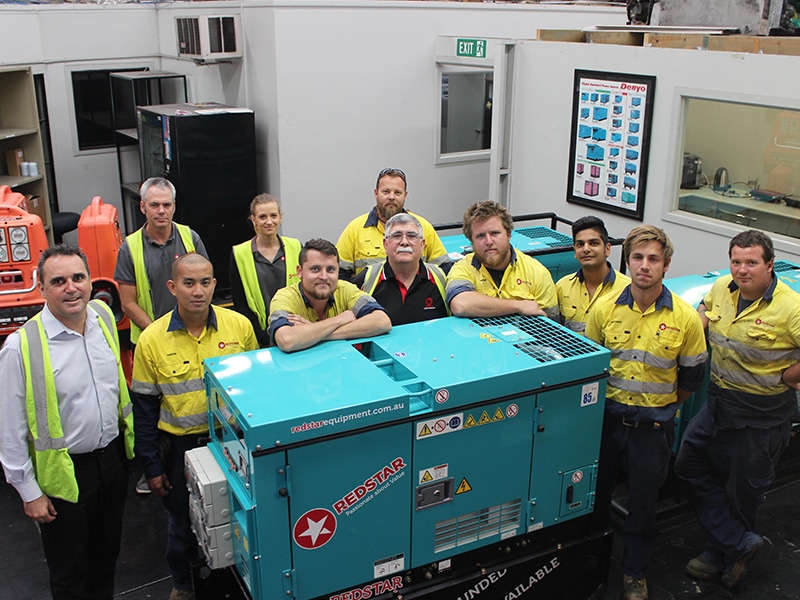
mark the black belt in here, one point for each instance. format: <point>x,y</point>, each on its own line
<point>98,451</point>
<point>640,424</point>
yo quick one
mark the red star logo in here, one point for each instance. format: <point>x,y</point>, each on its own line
<point>314,528</point>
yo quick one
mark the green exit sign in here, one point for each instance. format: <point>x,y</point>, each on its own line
<point>471,48</point>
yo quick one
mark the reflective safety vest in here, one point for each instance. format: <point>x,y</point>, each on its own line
<point>374,272</point>
<point>246,263</point>
<point>144,296</point>
<point>55,472</point>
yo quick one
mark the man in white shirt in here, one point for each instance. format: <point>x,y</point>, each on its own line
<point>67,427</point>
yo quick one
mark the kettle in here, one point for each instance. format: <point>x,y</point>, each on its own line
<point>721,178</point>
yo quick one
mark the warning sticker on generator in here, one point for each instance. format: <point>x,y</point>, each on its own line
<point>440,426</point>
<point>590,394</point>
<point>387,566</point>
<point>433,474</point>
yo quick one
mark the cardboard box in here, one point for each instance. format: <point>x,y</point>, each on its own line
<point>36,207</point>
<point>13,158</point>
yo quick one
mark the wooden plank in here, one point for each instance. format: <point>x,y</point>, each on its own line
<point>676,40</point>
<point>560,35</point>
<point>788,46</point>
<point>620,38</point>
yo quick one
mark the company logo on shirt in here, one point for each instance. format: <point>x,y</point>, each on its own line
<point>664,326</point>
<point>521,281</point>
<point>760,322</point>
<point>223,345</point>
<point>428,302</point>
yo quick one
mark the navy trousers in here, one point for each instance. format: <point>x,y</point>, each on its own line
<point>725,474</point>
<point>644,454</point>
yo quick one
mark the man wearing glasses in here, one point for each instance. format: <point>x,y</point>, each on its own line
<point>408,288</point>
<point>361,242</point>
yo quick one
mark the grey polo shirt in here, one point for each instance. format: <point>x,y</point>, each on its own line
<point>158,264</point>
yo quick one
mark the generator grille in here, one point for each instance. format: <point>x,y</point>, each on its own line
<point>549,237</point>
<point>541,338</point>
<point>781,266</point>
<point>474,526</point>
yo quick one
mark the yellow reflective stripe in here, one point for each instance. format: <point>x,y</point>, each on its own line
<point>693,360</point>
<point>183,387</point>
<point>363,263</point>
<point>753,354</point>
<point>184,422</point>
<point>641,356</point>
<point>576,326</point>
<point>246,264</point>
<point>642,387</point>
<point>147,389</point>
<point>371,278</point>
<point>749,378</point>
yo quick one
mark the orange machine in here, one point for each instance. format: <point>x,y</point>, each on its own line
<point>22,240</point>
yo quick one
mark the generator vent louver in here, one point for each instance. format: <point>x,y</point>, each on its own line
<point>538,337</point>
<point>209,38</point>
<point>478,525</point>
<point>549,237</point>
<point>781,266</point>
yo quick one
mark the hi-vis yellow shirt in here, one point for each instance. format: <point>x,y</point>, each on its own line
<point>652,353</point>
<point>573,297</point>
<point>169,363</point>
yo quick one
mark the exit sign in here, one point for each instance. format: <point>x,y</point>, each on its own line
<point>471,48</point>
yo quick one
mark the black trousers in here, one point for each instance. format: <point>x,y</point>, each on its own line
<point>82,544</point>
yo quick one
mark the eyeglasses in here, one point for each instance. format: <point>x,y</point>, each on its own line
<point>396,236</point>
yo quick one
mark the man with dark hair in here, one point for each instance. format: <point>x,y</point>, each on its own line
<point>68,427</point>
<point>361,243</point>
<point>321,307</point>
<point>580,292</point>
<point>409,289</point>
<point>729,451</point>
<point>658,355</point>
<point>169,398</point>
<point>495,279</point>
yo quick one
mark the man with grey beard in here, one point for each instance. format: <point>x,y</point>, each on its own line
<point>409,289</point>
<point>321,307</point>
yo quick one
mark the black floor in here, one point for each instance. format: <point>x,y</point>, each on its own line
<point>142,572</point>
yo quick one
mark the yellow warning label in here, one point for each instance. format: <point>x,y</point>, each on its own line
<point>498,415</point>
<point>470,422</point>
<point>493,340</point>
<point>426,477</point>
<point>425,431</point>
<point>484,336</point>
<point>484,419</point>
<point>464,486</point>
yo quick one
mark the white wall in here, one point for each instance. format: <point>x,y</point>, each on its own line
<point>340,88</point>
<point>540,150</point>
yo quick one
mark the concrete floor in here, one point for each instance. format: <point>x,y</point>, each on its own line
<point>142,572</point>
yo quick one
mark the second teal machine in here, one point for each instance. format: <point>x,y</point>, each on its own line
<point>413,463</point>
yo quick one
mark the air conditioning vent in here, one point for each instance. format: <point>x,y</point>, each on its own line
<point>209,38</point>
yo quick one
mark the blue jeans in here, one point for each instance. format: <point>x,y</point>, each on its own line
<point>644,455</point>
<point>182,548</point>
<point>725,474</point>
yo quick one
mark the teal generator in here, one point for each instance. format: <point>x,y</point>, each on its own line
<point>447,459</point>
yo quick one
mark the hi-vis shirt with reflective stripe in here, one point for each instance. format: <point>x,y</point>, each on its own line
<point>647,348</point>
<point>55,473</point>
<point>573,297</point>
<point>169,363</point>
<point>245,262</point>
<point>435,274</point>
<point>144,296</point>
<point>361,243</point>
<point>751,350</point>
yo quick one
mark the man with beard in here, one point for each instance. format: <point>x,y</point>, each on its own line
<point>321,307</point>
<point>361,242</point>
<point>409,289</point>
<point>596,279</point>
<point>658,355</point>
<point>495,279</point>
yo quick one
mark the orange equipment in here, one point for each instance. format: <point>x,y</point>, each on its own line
<point>22,240</point>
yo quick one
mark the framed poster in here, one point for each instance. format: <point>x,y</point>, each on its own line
<point>611,118</point>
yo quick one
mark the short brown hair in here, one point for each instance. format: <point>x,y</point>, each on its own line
<point>486,209</point>
<point>750,239</point>
<point>323,246</point>
<point>647,233</point>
